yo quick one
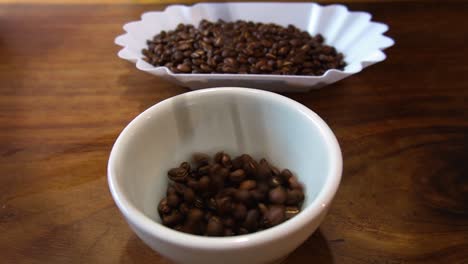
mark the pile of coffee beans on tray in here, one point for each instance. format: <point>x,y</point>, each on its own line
<point>227,197</point>
<point>242,47</point>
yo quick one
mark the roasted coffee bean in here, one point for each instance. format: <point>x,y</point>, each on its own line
<point>184,209</point>
<point>204,183</point>
<point>218,175</point>
<point>251,220</point>
<point>248,185</point>
<point>242,196</point>
<point>251,168</point>
<point>242,47</point>
<point>173,200</point>
<point>228,222</point>
<point>224,205</point>
<point>264,171</point>
<point>226,161</point>
<point>294,183</point>
<point>185,68</point>
<point>179,188</point>
<point>200,159</point>
<point>163,207</point>
<point>229,232</point>
<point>189,195</point>
<point>178,174</point>
<point>172,219</point>
<point>294,197</point>
<point>243,231</point>
<point>263,187</point>
<point>195,214</point>
<point>286,174</point>
<point>239,211</point>
<point>275,181</point>
<point>204,170</point>
<point>229,197</point>
<point>257,195</point>
<point>275,215</point>
<point>214,227</point>
<point>237,175</point>
<point>277,195</point>
<point>237,163</point>
<point>170,190</point>
<point>198,202</point>
<point>263,208</point>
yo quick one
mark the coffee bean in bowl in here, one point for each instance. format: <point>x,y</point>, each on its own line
<point>242,47</point>
<point>224,197</point>
<point>237,121</point>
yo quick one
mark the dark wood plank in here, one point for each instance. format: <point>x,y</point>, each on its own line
<point>402,125</point>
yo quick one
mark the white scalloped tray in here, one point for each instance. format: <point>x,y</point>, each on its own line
<point>352,33</point>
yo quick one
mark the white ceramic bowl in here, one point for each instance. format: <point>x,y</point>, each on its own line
<point>352,33</point>
<point>236,120</point>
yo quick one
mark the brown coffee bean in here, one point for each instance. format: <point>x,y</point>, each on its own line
<point>263,208</point>
<point>184,68</point>
<point>277,195</point>
<point>195,214</point>
<point>189,195</point>
<point>226,161</point>
<point>224,205</point>
<point>294,197</point>
<point>264,171</point>
<point>239,211</point>
<point>204,183</point>
<point>170,190</point>
<point>294,183</point>
<point>237,163</point>
<point>184,46</point>
<point>179,188</point>
<point>173,200</point>
<point>257,195</point>
<point>178,56</point>
<point>275,181</point>
<point>251,220</point>
<point>184,209</point>
<point>178,174</point>
<point>229,232</point>
<point>248,185</point>
<point>228,222</point>
<point>214,227</point>
<point>242,196</point>
<point>243,231</point>
<point>172,218</point>
<point>251,167</point>
<point>204,170</point>
<point>198,202</point>
<point>237,175</point>
<point>218,174</point>
<point>286,174</point>
<point>163,207</point>
<point>200,159</point>
<point>275,215</point>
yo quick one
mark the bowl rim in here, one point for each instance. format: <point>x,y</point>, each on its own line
<point>144,223</point>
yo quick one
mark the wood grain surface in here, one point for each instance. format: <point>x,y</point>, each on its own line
<point>402,125</point>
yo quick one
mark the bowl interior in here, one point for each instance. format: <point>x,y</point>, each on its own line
<point>236,121</point>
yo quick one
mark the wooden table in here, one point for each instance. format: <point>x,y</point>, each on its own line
<point>402,126</point>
